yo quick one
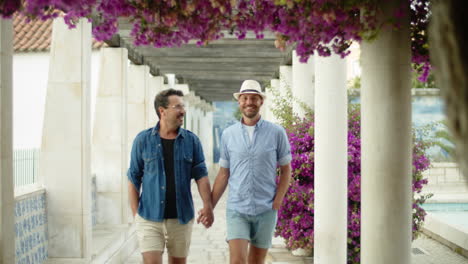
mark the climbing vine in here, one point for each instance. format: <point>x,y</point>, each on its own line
<point>318,27</point>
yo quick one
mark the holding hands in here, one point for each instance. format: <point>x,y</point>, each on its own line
<point>205,216</point>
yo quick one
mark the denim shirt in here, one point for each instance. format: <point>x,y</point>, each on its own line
<point>147,171</point>
<point>252,165</point>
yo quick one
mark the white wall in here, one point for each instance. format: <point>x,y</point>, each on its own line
<point>446,183</point>
<point>353,66</point>
<point>30,72</point>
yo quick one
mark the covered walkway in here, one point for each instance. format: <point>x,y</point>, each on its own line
<point>84,217</point>
<point>209,246</point>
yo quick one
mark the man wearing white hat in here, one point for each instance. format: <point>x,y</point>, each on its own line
<point>251,150</point>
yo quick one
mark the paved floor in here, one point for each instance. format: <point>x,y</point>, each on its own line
<point>429,251</point>
<point>209,246</point>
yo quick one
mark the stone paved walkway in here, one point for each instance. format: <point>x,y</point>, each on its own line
<point>209,246</point>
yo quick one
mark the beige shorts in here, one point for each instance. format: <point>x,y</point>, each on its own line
<point>155,236</point>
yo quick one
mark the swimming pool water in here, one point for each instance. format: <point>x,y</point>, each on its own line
<point>454,214</point>
<point>444,207</point>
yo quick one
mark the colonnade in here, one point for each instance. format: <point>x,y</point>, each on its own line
<point>73,149</point>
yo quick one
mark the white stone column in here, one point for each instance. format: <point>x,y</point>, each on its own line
<point>138,80</point>
<point>303,84</point>
<point>66,140</point>
<point>386,143</point>
<point>331,161</point>
<point>191,114</point>
<point>110,150</point>
<point>202,129</point>
<point>202,111</point>
<point>137,83</point>
<point>7,200</point>
<point>198,117</point>
<point>285,83</point>
<point>208,132</point>
<point>187,98</point>
<point>268,103</point>
<point>184,88</point>
<point>155,85</point>
<point>285,77</point>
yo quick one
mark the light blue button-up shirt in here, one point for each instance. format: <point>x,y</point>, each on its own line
<point>252,165</point>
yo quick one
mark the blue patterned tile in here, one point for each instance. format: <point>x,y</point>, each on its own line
<point>26,245</point>
<point>23,247</point>
<point>31,230</point>
<point>17,250</point>
<point>25,230</point>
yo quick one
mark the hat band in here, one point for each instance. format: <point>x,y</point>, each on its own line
<point>249,90</point>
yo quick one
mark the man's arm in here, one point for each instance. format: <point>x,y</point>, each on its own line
<point>283,185</point>
<point>220,185</point>
<point>206,214</point>
<point>135,174</point>
<point>134,197</point>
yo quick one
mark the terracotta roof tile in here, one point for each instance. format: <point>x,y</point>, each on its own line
<point>35,36</point>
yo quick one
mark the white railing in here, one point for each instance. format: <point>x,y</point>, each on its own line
<point>445,173</point>
<point>446,183</point>
<point>25,166</point>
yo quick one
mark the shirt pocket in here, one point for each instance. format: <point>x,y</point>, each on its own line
<point>151,160</point>
<point>187,160</point>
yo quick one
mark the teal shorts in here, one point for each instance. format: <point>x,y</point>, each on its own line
<point>258,229</point>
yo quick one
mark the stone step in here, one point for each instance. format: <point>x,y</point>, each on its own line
<point>110,244</point>
<point>113,243</point>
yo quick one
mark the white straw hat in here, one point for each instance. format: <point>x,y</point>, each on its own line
<point>250,87</point>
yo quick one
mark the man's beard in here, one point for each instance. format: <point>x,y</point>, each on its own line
<point>178,121</point>
<point>250,114</point>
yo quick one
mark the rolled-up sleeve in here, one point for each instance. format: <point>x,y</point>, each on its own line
<point>224,153</point>
<point>135,172</point>
<point>284,148</point>
<point>199,169</point>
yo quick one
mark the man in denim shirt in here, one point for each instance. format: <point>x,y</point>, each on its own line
<point>164,160</point>
<point>250,152</point>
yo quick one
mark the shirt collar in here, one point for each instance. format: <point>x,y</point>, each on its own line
<point>258,124</point>
<point>155,131</point>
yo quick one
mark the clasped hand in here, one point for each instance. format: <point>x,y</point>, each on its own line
<point>206,217</point>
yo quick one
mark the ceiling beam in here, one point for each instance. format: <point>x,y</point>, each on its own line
<point>214,68</point>
<point>222,76</point>
<point>201,59</point>
<point>219,51</point>
<point>214,71</point>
